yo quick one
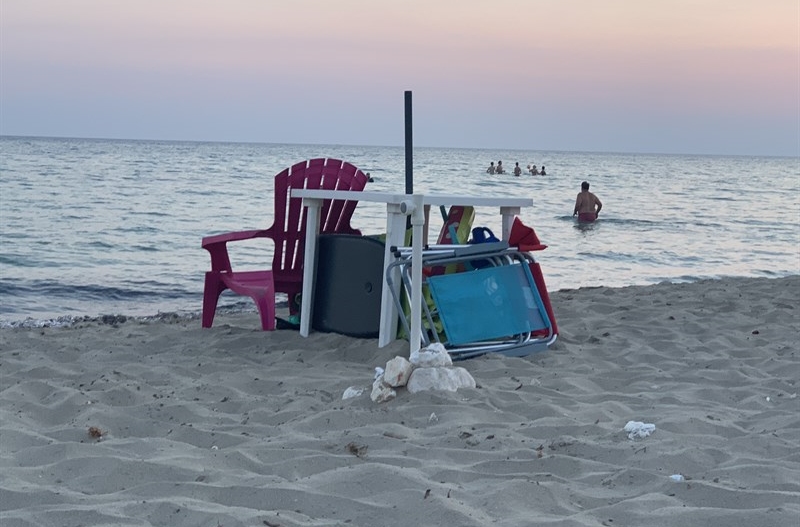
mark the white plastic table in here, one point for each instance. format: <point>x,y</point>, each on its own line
<point>398,206</point>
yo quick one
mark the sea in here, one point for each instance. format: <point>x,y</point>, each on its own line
<point>95,228</point>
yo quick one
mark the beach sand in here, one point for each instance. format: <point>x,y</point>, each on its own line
<point>232,426</point>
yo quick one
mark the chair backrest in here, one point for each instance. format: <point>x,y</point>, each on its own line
<point>289,225</point>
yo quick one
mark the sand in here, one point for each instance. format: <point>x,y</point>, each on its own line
<point>164,423</point>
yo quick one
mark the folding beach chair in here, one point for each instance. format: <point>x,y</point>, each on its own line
<point>495,308</point>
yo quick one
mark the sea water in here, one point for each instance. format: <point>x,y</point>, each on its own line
<point>95,227</point>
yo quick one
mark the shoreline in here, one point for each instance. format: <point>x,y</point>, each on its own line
<point>166,423</point>
<point>233,314</point>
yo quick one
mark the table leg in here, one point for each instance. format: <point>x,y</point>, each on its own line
<point>418,224</point>
<point>309,264</point>
<point>508,214</point>
<point>395,235</point>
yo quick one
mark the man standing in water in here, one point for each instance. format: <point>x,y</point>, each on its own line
<point>587,205</point>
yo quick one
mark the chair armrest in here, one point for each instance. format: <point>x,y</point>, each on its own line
<point>217,246</point>
<point>226,237</point>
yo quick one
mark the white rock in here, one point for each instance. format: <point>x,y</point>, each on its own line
<point>447,379</point>
<point>352,392</point>
<point>382,392</point>
<point>397,372</point>
<point>430,357</point>
<point>463,378</point>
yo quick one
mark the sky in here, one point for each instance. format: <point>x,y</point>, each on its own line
<point>638,76</point>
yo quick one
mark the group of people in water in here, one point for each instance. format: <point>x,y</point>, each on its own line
<point>499,169</point>
<point>587,205</point>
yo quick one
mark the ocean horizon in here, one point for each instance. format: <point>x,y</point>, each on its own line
<point>416,147</point>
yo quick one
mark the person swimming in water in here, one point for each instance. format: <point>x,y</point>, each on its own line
<point>491,169</point>
<point>587,205</point>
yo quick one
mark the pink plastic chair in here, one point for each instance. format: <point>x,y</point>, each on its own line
<point>288,233</point>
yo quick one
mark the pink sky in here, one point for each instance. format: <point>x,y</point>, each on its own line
<point>684,76</point>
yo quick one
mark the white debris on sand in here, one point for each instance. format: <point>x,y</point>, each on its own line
<point>430,368</point>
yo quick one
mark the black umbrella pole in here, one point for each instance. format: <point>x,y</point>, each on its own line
<point>409,147</point>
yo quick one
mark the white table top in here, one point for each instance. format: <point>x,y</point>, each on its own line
<point>427,199</point>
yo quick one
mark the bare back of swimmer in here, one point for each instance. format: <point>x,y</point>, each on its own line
<point>587,205</point>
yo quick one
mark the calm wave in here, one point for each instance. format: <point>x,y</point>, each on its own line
<point>94,227</point>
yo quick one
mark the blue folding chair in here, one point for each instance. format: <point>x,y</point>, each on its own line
<point>494,308</point>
